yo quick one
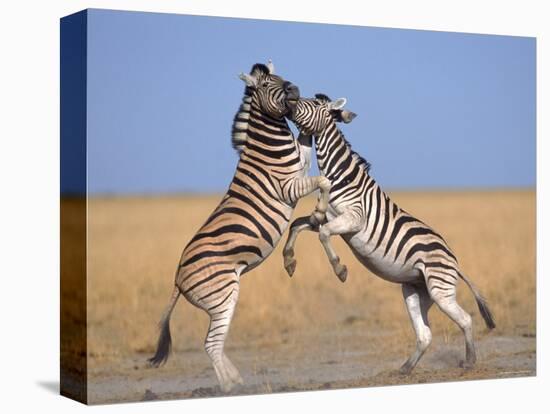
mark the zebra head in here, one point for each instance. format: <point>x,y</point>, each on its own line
<point>313,115</point>
<point>275,96</point>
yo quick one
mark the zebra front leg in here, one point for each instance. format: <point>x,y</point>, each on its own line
<point>301,187</point>
<point>418,302</point>
<point>298,225</point>
<point>345,223</point>
<point>320,214</point>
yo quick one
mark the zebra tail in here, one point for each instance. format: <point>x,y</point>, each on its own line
<point>164,344</point>
<point>481,303</point>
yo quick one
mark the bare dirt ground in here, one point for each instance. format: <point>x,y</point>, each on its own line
<point>315,363</point>
<point>309,332</point>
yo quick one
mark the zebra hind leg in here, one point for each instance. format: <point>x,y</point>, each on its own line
<point>418,302</point>
<point>443,292</point>
<point>220,320</point>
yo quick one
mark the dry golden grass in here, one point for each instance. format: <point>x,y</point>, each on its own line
<point>134,245</point>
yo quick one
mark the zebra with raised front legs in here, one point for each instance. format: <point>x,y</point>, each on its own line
<point>387,240</point>
<point>249,221</point>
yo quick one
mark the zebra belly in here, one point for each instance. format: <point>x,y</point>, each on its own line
<point>381,266</point>
<point>266,252</point>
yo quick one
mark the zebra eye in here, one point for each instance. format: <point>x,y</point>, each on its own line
<point>265,84</point>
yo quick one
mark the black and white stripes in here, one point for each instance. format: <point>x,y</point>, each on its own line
<point>386,239</point>
<point>269,179</point>
<point>250,219</point>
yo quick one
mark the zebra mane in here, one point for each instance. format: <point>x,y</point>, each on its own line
<point>239,130</point>
<point>322,97</point>
<point>359,159</point>
<point>240,120</point>
<point>260,67</point>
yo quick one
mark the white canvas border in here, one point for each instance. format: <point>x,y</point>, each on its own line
<point>30,183</point>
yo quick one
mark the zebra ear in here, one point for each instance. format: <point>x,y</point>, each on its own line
<point>271,67</point>
<point>250,80</point>
<point>347,116</point>
<point>337,104</point>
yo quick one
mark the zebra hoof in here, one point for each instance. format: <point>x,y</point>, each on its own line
<point>317,218</point>
<point>466,364</point>
<point>405,369</point>
<point>320,217</point>
<point>290,266</point>
<point>230,384</point>
<point>342,273</point>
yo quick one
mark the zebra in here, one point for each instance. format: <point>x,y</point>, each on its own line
<point>387,240</point>
<point>251,217</point>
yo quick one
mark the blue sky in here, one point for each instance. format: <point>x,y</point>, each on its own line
<point>435,109</point>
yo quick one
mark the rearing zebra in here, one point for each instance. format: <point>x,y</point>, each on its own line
<point>386,239</point>
<point>249,221</point>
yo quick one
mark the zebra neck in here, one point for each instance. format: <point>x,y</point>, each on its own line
<point>330,146</point>
<point>335,155</point>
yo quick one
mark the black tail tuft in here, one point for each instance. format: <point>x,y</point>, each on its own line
<point>164,345</point>
<point>485,311</point>
<point>482,304</point>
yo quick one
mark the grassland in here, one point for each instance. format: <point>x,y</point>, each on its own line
<point>310,331</point>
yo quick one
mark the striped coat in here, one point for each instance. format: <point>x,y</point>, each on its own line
<point>386,239</point>
<point>249,221</point>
